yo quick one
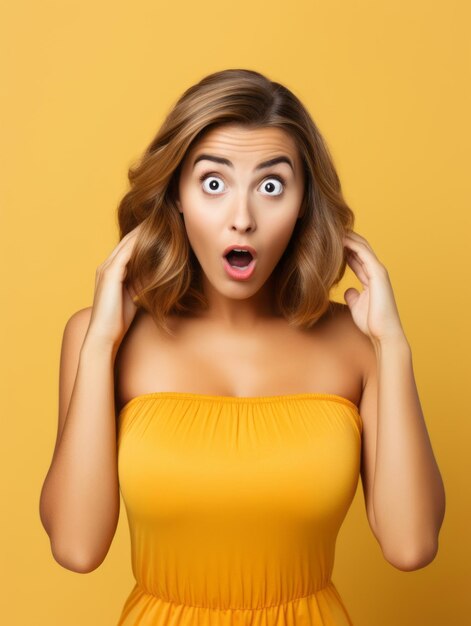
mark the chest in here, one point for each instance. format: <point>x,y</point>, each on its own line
<point>275,361</point>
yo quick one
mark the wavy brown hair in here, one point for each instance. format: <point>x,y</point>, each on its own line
<point>163,269</point>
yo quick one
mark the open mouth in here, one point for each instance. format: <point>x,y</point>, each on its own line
<point>237,259</point>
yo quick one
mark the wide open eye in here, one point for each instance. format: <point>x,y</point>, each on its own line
<point>274,183</point>
<point>270,185</point>
<point>214,184</point>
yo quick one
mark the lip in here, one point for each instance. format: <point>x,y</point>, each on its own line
<point>239,274</point>
<point>242,246</point>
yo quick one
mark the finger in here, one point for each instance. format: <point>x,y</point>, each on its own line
<point>359,262</point>
<point>123,255</point>
<point>128,239</point>
<point>364,253</point>
<point>356,237</point>
<point>357,268</point>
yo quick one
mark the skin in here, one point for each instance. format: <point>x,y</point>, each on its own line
<point>244,209</point>
<point>404,493</point>
<point>360,352</point>
<point>234,347</point>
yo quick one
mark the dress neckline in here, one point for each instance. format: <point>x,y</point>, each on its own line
<point>187,395</point>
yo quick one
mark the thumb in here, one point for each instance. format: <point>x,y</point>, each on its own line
<point>350,296</point>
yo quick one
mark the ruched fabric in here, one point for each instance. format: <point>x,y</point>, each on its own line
<point>234,505</point>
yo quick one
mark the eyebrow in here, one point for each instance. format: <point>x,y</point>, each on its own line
<point>260,166</point>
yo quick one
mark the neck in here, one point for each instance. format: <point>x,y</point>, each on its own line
<point>240,314</point>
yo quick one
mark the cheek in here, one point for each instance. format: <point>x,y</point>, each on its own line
<point>201,228</point>
<point>278,236</point>
<point>201,215</point>
<point>199,221</point>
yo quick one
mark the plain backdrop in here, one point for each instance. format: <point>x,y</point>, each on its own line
<point>85,86</point>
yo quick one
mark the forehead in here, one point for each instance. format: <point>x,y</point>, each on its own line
<point>243,142</point>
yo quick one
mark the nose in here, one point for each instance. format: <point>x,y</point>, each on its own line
<point>242,217</point>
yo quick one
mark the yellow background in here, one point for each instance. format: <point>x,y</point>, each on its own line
<point>85,87</point>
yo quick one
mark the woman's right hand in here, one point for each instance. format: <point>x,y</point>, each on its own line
<point>113,308</point>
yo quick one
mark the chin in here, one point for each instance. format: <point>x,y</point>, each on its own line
<point>239,290</point>
<point>235,289</point>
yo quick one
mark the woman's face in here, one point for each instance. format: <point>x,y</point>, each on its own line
<point>241,201</point>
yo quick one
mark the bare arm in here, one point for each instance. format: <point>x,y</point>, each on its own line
<point>404,491</point>
<point>79,504</point>
<point>408,491</point>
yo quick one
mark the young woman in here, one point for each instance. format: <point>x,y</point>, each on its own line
<point>218,388</point>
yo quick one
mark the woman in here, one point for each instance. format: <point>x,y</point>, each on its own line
<point>229,399</point>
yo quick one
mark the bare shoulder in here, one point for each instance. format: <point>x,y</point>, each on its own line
<point>80,318</point>
<point>72,340</point>
<point>75,330</point>
<point>357,344</point>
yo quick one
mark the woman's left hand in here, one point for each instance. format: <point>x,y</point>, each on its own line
<point>373,310</point>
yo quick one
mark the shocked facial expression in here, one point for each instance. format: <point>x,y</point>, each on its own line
<point>240,187</point>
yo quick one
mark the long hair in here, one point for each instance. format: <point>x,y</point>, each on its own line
<point>163,269</point>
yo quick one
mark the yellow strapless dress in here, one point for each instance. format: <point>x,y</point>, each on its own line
<point>234,505</point>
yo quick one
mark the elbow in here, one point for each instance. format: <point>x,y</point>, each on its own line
<point>412,560</point>
<point>77,561</point>
<point>80,554</point>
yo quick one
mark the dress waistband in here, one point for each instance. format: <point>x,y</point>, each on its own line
<point>143,590</point>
